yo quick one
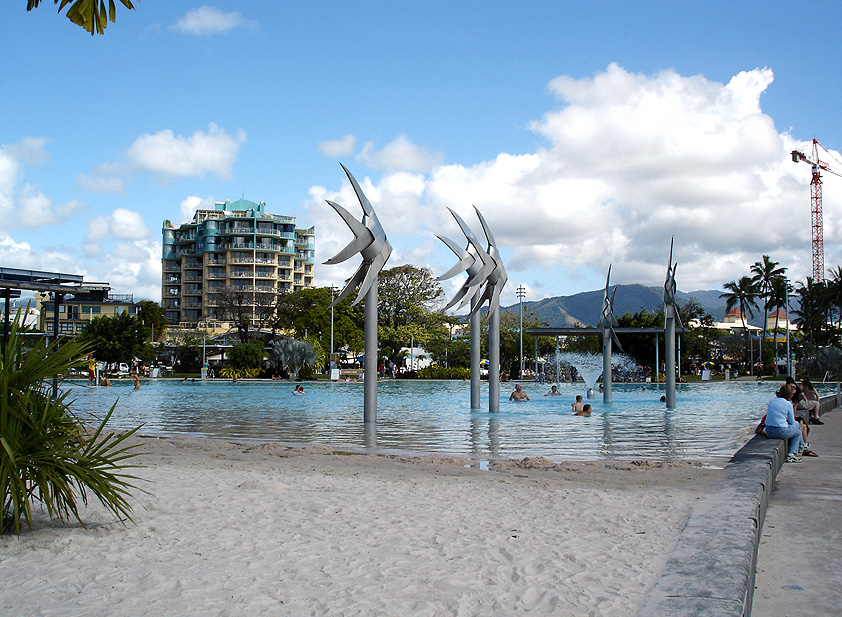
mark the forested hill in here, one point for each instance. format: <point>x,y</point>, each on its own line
<point>585,307</point>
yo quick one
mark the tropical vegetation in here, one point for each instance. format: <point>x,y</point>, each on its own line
<point>92,15</point>
<point>47,454</point>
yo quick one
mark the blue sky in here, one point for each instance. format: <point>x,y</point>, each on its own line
<point>588,134</point>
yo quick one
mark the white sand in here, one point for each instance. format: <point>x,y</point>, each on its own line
<point>233,529</point>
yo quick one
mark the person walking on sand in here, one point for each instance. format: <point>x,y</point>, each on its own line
<point>518,394</point>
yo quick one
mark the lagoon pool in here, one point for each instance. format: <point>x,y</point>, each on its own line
<point>710,420</point>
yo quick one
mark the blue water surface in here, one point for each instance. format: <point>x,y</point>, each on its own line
<point>710,419</point>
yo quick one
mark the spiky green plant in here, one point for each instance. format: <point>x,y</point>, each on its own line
<point>47,454</point>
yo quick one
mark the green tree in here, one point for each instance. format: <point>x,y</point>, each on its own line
<point>445,348</point>
<point>765,272</point>
<point>510,340</point>
<point>152,315</point>
<point>743,295</point>
<point>779,294</point>
<point>408,298</point>
<point>88,14</point>
<point>120,338</point>
<point>253,312</point>
<point>246,355</point>
<point>184,348</point>
<point>47,454</point>
<point>641,347</point>
<point>306,313</point>
<point>811,314</point>
<point>293,355</point>
<point>700,338</point>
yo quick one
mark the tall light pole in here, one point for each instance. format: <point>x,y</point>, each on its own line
<point>521,293</point>
<point>331,361</point>
<point>788,357</point>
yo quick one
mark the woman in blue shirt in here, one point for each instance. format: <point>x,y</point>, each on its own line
<point>781,424</point>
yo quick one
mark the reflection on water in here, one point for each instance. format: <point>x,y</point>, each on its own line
<point>711,419</point>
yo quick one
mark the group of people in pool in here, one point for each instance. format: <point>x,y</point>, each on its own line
<point>579,408</point>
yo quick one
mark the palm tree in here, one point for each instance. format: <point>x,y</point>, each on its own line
<point>48,455</point>
<point>765,271</point>
<point>88,14</point>
<point>779,293</point>
<point>834,292</point>
<point>743,295</point>
<point>811,311</point>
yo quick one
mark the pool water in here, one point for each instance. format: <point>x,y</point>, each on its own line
<point>710,419</point>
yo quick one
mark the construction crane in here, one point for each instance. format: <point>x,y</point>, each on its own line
<point>816,221</point>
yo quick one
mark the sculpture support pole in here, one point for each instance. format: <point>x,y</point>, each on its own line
<point>669,353</point>
<point>370,330</point>
<point>494,359</point>
<point>476,333</point>
<point>606,365</point>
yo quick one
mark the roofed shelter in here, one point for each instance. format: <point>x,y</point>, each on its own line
<point>13,280</point>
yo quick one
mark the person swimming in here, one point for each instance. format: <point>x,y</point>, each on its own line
<point>298,390</point>
<point>586,411</point>
<point>578,406</point>
<point>518,394</point>
<point>553,391</point>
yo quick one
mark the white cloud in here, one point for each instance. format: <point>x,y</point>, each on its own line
<point>207,20</point>
<point>30,150</point>
<point>36,209</point>
<point>629,161</point>
<point>192,203</point>
<point>334,148</point>
<point>400,154</point>
<point>120,225</point>
<point>175,156</point>
<point>101,184</point>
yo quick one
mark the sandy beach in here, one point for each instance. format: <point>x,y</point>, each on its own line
<point>264,529</point>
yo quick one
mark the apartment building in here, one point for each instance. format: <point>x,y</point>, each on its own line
<point>76,310</point>
<point>237,248</point>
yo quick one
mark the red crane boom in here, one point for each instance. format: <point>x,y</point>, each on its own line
<point>816,221</point>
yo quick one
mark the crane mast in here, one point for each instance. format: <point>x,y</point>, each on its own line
<point>816,221</point>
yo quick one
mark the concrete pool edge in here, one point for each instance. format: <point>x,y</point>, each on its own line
<point>712,568</point>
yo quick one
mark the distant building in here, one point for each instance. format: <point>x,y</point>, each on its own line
<point>77,310</point>
<point>237,247</point>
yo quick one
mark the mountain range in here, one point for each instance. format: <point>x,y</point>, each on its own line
<point>585,308</point>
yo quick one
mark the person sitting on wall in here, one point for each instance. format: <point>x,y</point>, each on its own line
<point>809,401</point>
<point>780,423</point>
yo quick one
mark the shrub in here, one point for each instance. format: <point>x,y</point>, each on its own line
<point>247,373</point>
<point>47,455</point>
<point>440,372</point>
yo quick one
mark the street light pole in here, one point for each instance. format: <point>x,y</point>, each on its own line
<point>331,360</point>
<point>521,292</point>
<point>788,357</point>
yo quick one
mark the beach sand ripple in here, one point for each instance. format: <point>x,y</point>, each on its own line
<point>265,529</point>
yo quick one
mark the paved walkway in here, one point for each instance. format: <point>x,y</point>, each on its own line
<point>799,564</point>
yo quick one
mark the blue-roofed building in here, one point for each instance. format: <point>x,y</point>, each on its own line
<point>237,250</point>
